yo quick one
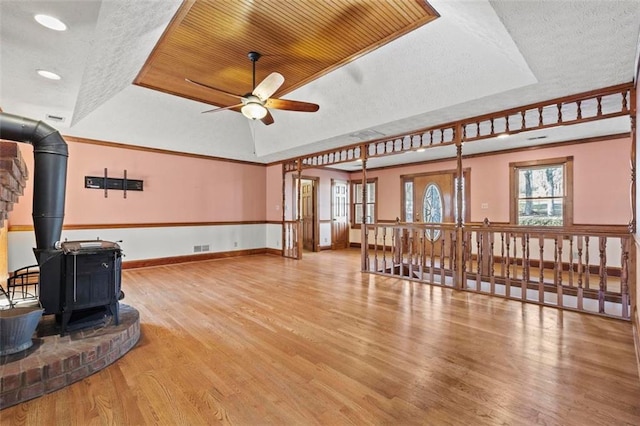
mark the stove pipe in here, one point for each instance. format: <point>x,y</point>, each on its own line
<point>49,176</point>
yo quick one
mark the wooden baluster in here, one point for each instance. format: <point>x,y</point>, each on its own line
<point>492,278</point>
<point>587,272</point>
<point>394,251</point>
<point>580,272</point>
<point>540,120</point>
<point>602,246</point>
<point>555,260</point>
<point>528,260</point>
<point>466,257</point>
<point>524,122</point>
<point>559,105</point>
<point>295,228</point>
<point>452,254</point>
<point>506,123</point>
<point>599,113</point>
<point>416,252</point>
<point>507,283</point>
<point>375,248</point>
<point>452,251</point>
<point>525,269</point>
<point>384,249</point>
<point>502,258</point>
<point>541,280</point>
<point>432,255</point>
<point>559,239</point>
<point>410,253</point>
<point>571,261</point>
<point>422,255</point>
<point>492,127</point>
<point>478,261</point>
<point>442,252</point>
<point>403,238</point>
<point>624,101</point>
<point>515,257</point>
<point>624,277</point>
<point>579,113</point>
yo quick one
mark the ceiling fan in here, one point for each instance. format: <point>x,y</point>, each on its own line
<point>255,105</point>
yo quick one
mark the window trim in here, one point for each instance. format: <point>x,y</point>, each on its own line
<point>356,222</point>
<point>567,204</point>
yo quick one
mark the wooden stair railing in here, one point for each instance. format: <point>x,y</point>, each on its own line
<point>576,268</point>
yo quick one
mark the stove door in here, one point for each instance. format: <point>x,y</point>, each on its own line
<point>91,280</point>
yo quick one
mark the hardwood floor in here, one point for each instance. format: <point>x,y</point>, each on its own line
<point>267,340</point>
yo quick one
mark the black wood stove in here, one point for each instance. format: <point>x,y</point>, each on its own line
<point>80,283</point>
<point>79,280</point>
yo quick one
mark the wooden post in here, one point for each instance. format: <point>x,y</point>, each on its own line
<point>363,222</point>
<point>298,215</point>
<point>632,160</point>
<point>459,228</point>
<point>284,201</point>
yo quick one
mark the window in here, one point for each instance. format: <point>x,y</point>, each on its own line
<point>542,192</point>
<point>432,207</point>
<point>408,201</point>
<point>369,205</point>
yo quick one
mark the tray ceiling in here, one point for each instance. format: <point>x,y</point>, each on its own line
<point>208,42</point>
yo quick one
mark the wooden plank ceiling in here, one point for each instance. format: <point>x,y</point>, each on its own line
<point>208,42</point>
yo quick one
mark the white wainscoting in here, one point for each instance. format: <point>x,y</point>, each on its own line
<point>155,242</point>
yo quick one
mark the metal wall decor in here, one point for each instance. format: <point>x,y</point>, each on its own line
<point>107,183</point>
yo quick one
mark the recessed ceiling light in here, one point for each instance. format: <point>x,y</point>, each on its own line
<point>50,22</point>
<point>48,74</point>
<point>420,150</point>
<point>503,135</point>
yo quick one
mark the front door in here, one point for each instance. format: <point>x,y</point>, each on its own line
<point>434,201</point>
<point>339,219</point>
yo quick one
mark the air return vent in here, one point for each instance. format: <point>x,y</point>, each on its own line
<point>366,135</point>
<point>535,138</point>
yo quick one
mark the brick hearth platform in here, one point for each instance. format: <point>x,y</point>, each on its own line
<point>54,362</point>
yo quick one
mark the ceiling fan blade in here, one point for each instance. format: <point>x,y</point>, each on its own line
<point>288,105</point>
<point>267,119</point>
<point>268,86</point>
<point>231,107</point>
<point>213,88</point>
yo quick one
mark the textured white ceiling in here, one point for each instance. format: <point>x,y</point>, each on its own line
<point>479,57</point>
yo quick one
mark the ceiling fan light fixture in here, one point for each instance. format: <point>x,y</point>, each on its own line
<point>254,111</point>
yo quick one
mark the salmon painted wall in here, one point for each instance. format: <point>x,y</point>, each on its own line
<point>176,188</point>
<point>273,193</point>
<point>601,176</point>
